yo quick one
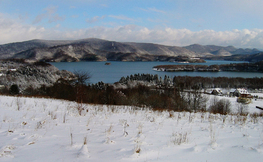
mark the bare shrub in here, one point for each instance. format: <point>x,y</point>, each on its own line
<point>179,138</point>
<point>85,141</point>
<point>18,103</point>
<point>212,134</point>
<point>64,118</point>
<point>140,126</point>
<point>40,124</point>
<point>53,115</point>
<point>71,139</point>
<point>254,117</point>
<point>242,108</point>
<point>171,114</point>
<point>242,119</point>
<point>220,106</point>
<point>137,149</point>
<point>109,130</point>
<point>80,107</point>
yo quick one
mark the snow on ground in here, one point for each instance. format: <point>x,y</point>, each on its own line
<point>34,129</point>
<point>250,108</point>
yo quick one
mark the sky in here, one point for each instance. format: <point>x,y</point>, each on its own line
<point>170,22</point>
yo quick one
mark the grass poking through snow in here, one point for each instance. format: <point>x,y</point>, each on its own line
<point>34,129</point>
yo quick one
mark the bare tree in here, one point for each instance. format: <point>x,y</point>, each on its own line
<point>82,77</point>
<point>196,100</point>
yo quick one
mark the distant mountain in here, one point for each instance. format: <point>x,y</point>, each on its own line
<point>156,49</point>
<point>93,49</point>
<point>255,57</point>
<point>219,50</point>
<point>246,57</point>
<point>8,50</point>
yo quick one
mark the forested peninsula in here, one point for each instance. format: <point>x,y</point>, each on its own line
<point>238,67</point>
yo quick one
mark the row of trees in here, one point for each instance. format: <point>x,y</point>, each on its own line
<point>184,95</point>
<point>187,82</point>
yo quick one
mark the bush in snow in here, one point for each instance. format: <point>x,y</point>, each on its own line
<point>221,106</point>
<point>14,89</point>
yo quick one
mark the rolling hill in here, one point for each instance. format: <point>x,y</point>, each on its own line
<point>93,49</point>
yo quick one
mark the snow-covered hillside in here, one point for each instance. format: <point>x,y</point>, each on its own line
<point>34,129</point>
<point>27,75</point>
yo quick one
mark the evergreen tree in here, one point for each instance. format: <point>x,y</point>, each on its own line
<point>14,89</point>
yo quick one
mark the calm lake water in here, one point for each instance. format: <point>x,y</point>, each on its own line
<point>112,73</point>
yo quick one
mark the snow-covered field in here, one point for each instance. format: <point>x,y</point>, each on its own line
<point>249,108</point>
<point>33,129</point>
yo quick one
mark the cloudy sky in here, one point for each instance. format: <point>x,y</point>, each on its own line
<point>170,22</point>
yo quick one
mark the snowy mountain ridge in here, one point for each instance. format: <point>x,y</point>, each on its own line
<point>93,49</point>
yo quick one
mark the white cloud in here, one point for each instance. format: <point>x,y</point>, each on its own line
<point>55,18</point>
<point>39,18</point>
<point>122,17</point>
<point>95,19</point>
<point>153,10</point>
<point>50,14</point>
<point>12,30</point>
<point>179,37</point>
<point>157,20</point>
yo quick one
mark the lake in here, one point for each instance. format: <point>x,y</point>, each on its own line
<point>112,73</point>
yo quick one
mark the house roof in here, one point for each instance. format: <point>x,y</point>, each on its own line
<point>242,90</point>
<point>232,90</point>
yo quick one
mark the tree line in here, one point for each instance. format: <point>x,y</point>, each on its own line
<point>187,82</point>
<point>180,93</point>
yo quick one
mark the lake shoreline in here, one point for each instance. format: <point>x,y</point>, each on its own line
<point>112,73</point>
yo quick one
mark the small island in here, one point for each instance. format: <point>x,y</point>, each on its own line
<point>241,67</point>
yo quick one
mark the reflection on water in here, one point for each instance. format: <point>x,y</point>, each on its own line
<point>113,72</point>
